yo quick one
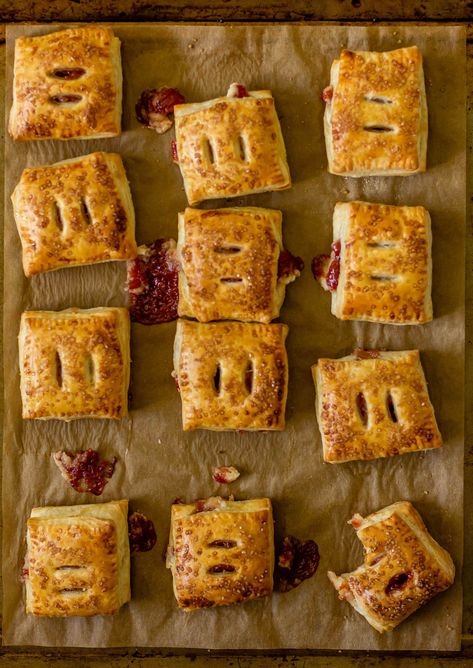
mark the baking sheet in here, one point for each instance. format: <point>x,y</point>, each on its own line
<point>157,461</point>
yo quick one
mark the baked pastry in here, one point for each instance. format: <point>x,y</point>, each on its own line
<point>373,404</point>
<point>231,375</point>
<point>221,552</point>
<point>78,560</point>
<point>376,114</point>
<point>404,567</point>
<point>230,266</point>
<point>380,268</point>
<point>67,85</point>
<point>75,363</point>
<point>75,212</point>
<point>230,146</point>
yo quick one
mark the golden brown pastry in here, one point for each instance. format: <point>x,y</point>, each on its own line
<point>221,552</point>
<point>373,404</point>
<point>78,560</point>
<point>231,375</point>
<point>230,146</point>
<point>75,363</point>
<point>380,268</point>
<point>404,567</point>
<point>228,262</point>
<point>75,212</point>
<point>376,113</point>
<point>67,85</point>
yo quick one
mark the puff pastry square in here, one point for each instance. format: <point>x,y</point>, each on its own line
<point>404,567</point>
<point>67,85</point>
<point>75,363</point>
<point>376,113</point>
<point>230,146</point>
<point>229,264</point>
<point>231,375</point>
<point>78,560</point>
<point>385,263</point>
<point>221,552</point>
<point>75,212</point>
<point>376,405</point>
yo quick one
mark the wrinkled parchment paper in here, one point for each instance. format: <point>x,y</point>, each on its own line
<point>157,461</point>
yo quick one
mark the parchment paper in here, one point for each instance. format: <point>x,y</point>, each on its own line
<point>157,461</point>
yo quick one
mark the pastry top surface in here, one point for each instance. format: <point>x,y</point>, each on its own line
<point>229,263</point>
<point>231,375</point>
<point>78,560</point>
<point>404,567</point>
<point>374,407</point>
<point>67,85</point>
<point>75,212</point>
<point>222,551</point>
<point>377,118</point>
<point>230,146</point>
<point>75,363</point>
<point>385,264</point>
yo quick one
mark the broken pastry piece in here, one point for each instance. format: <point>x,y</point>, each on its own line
<point>404,567</point>
<point>380,268</point>
<point>78,560</point>
<point>75,212</point>
<point>375,119</point>
<point>231,375</point>
<point>67,85</point>
<point>221,552</point>
<point>233,265</point>
<point>373,404</point>
<point>230,146</point>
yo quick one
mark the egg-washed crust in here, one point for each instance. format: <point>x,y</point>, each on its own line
<point>222,122</point>
<point>75,212</point>
<point>399,375</point>
<point>219,245</point>
<point>360,81</point>
<point>246,526</point>
<point>34,114</point>
<point>396,545</point>
<point>75,363</point>
<point>78,560</point>
<point>232,347</point>
<point>386,263</point>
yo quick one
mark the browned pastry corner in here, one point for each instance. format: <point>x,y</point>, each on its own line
<point>374,407</point>
<point>384,263</point>
<point>376,113</point>
<point>75,212</point>
<point>67,85</point>
<point>230,146</point>
<point>229,264</point>
<point>221,552</point>
<point>78,560</point>
<point>75,363</point>
<point>231,375</point>
<point>404,567</point>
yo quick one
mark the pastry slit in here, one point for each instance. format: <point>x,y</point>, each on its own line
<point>90,369</point>
<point>58,365</point>
<point>231,279</point>
<point>378,128</point>
<point>391,407</point>
<point>69,567</point>
<point>86,212</point>
<point>241,148</point>
<point>68,73</point>
<point>221,569</point>
<point>382,244</point>
<point>227,250</point>
<point>73,590</point>
<point>383,278</point>
<point>209,151</point>
<point>217,379</point>
<point>58,216</point>
<point>378,99</point>
<point>249,374</point>
<point>65,98</point>
<point>224,543</point>
<point>362,408</point>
